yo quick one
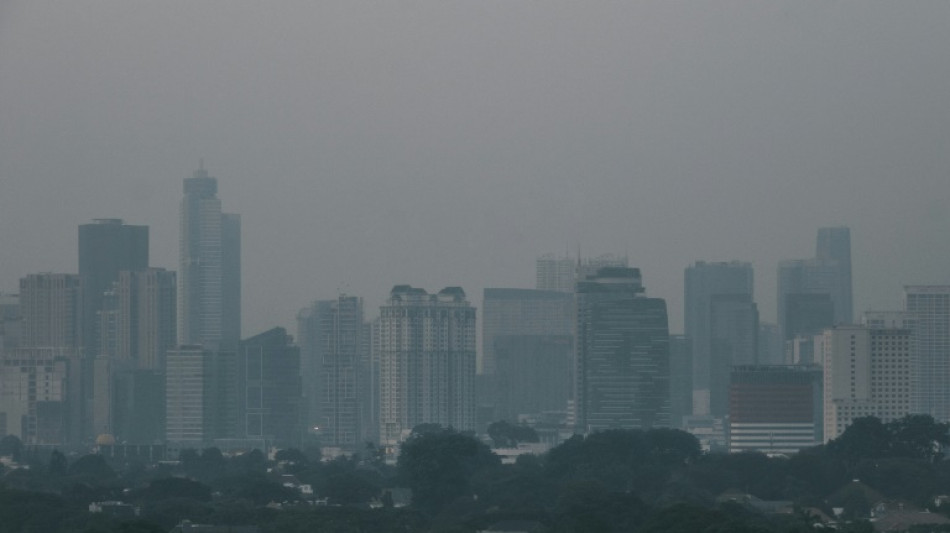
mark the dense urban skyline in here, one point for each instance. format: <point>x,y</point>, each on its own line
<point>451,144</point>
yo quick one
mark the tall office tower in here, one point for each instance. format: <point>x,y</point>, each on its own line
<point>209,297</point>
<point>106,247</point>
<point>138,318</point>
<point>828,273</point>
<point>733,341</point>
<point>623,354</point>
<point>427,361</point>
<point>554,273</point>
<point>681,379</point>
<point>137,327</point>
<point>888,319</point>
<point>201,396</point>
<point>52,311</point>
<point>534,374</point>
<point>834,244</point>
<point>335,370</point>
<point>522,312</point>
<point>269,388</point>
<point>928,306</point>
<point>867,372</point>
<point>774,408</point>
<point>807,315</point>
<point>703,281</point>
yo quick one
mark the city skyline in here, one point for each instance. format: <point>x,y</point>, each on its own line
<point>375,145</point>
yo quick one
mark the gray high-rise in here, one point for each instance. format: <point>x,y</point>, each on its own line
<point>209,275</point>
<point>829,273</point>
<point>106,247</point>
<point>336,373</point>
<point>718,288</point>
<point>623,354</point>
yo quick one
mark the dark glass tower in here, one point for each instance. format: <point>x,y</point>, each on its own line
<point>106,247</point>
<point>623,353</point>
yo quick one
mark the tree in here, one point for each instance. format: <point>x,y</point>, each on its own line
<point>176,487</point>
<point>919,437</point>
<point>438,466</point>
<point>12,447</point>
<point>92,467</point>
<point>57,464</point>
<point>865,438</point>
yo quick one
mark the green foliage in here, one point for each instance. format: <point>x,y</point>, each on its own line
<point>175,487</point>
<point>438,466</point>
<point>57,465</point>
<point>11,446</point>
<point>91,468</point>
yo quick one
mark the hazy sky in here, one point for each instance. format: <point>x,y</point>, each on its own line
<point>367,144</point>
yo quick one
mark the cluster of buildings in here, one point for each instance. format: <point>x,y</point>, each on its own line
<point>128,354</point>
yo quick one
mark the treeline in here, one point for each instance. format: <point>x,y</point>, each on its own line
<point>612,481</point>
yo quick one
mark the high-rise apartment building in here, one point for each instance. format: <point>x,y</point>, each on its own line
<point>52,311</point>
<point>730,285</point>
<point>106,247</point>
<point>928,306</point>
<point>336,372</point>
<point>209,288</point>
<point>623,374</point>
<point>426,360</point>
<point>867,372</point>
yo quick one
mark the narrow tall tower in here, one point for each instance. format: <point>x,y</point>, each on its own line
<point>209,293</point>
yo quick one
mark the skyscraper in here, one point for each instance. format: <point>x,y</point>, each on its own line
<point>703,282</point>
<point>269,393</point>
<point>335,369</point>
<point>828,273</point>
<point>928,307</point>
<point>834,244</point>
<point>623,368</point>
<point>209,289</point>
<point>522,312</point>
<point>733,333</point>
<point>52,311</point>
<point>106,247</point>
<point>427,361</point>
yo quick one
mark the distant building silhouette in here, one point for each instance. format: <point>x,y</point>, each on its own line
<point>829,273</point>
<point>209,274</point>
<point>201,396</point>
<point>269,391</point>
<point>336,371</point>
<point>623,373</point>
<point>427,361</point>
<point>681,379</point>
<point>705,281</point>
<point>928,307</point>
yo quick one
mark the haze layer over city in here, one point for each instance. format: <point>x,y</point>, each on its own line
<point>449,144</point>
